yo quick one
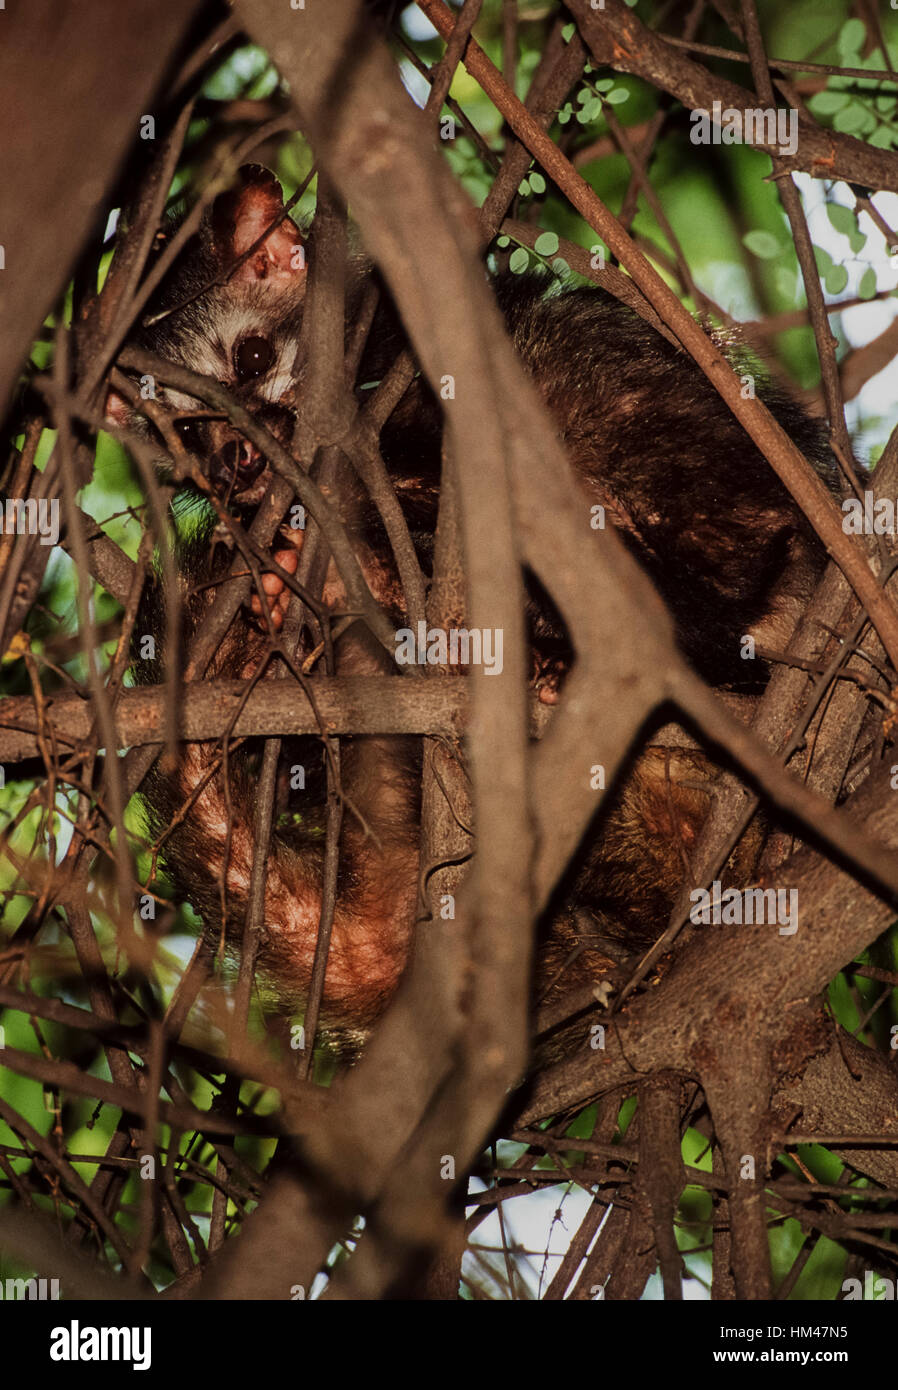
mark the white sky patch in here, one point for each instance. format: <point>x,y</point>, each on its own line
<point>873,413</point>
<point>417,25</point>
<point>419,29</point>
<point>415,83</point>
<point>532,1226</point>
<point>539,1227</point>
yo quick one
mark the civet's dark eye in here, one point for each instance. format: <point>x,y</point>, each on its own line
<point>190,433</point>
<point>252,357</point>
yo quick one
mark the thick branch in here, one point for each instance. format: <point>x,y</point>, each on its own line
<point>347,704</point>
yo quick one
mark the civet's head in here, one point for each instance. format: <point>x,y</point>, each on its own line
<point>242,331</point>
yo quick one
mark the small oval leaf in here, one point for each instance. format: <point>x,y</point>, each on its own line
<point>546,244</point>
<point>836,279</point>
<point>762,244</point>
<point>867,287</point>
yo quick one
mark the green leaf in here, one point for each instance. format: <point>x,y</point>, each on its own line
<point>885,104</point>
<point>851,38</point>
<point>835,279</point>
<point>477,187</point>
<point>560,266</point>
<point>843,219</point>
<point>568,32</point>
<point>524,188</point>
<point>503,241</point>
<point>828,102</point>
<point>867,287</point>
<point>851,119</point>
<point>764,245</point>
<point>857,241</point>
<point>604,84</point>
<point>786,284</point>
<point>564,115</point>
<point>617,96</point>
<point>583,96</point>
<point>824,260</point>
<point>519,260</point>
<point>537,182</point>
<point>882,139</point>
<point>546,244</point>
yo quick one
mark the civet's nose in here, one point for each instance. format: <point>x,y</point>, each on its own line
<point>235,465</point>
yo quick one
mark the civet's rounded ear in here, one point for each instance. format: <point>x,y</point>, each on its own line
<point>239,218</point>
<point>116,410</point>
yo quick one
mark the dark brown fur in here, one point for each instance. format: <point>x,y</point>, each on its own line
<point>692,497</point>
